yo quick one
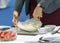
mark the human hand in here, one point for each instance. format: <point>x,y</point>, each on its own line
<point>37,14</point>
<point>15,18</point>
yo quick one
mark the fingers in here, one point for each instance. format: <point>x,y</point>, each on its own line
<point>14,22</point>
<point>40,14</point>
<point>37,15</point>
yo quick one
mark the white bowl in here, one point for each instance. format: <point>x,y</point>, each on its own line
<point>26,27</point>
<point>30,25</point>
<point>46,29</point>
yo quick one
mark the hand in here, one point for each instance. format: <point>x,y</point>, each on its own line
<point>37,14</point>
<point>15,18</point>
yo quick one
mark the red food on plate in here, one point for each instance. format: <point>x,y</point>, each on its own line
<point>7,35</point>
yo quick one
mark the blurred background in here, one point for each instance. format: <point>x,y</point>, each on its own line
<point>6,14</point>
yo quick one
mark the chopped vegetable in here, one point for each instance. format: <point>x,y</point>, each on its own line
<point>7,35</point>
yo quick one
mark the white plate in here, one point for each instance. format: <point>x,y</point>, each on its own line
<point>1,27</point>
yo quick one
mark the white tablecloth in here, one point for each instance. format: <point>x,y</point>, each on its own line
<point>26,38</point>
<point>22,39</point>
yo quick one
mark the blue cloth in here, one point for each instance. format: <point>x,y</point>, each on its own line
<point>6,14</point>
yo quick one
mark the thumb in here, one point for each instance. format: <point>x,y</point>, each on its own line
<point>41,15</point>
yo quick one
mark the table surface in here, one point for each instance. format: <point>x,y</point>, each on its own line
<point>22,39</point>
<point>29,38</point>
